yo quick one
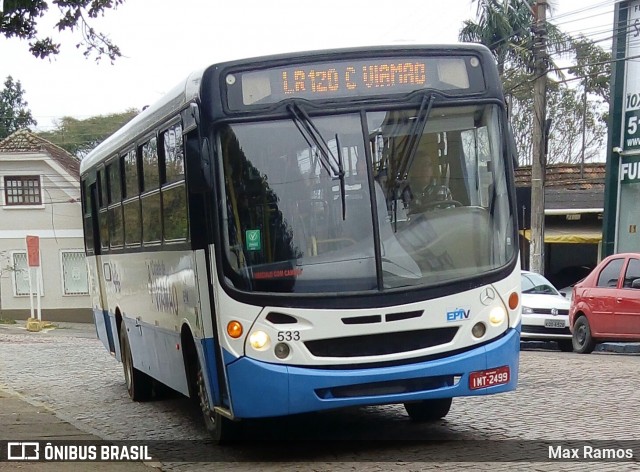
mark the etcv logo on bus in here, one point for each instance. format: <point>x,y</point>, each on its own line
<point>458,314</point>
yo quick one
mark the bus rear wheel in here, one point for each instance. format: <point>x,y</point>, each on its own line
<point>428,410</point>
<point>220,428</point>
<point>139,384</point>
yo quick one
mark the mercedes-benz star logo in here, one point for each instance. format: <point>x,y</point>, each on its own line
<point>487,296</point>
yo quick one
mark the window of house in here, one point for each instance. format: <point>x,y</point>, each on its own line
<point>22,190</point>
<point>75,280</point>
<point>21,275</point>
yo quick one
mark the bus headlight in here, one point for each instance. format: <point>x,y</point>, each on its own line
<point>259,340</point>
<point>497,315</point>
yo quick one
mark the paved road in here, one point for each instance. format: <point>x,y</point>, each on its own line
<point>560,397</point>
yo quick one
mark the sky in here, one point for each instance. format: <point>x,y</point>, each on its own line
<point>162,41</point>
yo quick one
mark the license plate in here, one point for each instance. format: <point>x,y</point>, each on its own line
<point>554,323</point>
<point>489,378</point>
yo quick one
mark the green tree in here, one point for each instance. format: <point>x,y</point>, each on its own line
<point>593,66</point>
<point>14,113</point>
<point>19,19</point>
<point>566,110</point>
<point>506,27</point>
<point>81,136</point>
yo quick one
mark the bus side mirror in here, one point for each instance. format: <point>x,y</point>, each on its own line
<point>198,163</point>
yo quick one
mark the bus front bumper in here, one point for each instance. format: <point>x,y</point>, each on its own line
<point>260,389</point>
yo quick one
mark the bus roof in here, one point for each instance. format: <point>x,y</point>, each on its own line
<point>169,105</point>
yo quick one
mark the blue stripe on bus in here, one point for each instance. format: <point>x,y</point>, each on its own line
<point>288,390</point>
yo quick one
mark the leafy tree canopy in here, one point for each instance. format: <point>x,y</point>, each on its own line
<point>578,126</point>
<point>507,28</point>
<point>14,113</point>
<point>79,137</point>
<point>19,19</point>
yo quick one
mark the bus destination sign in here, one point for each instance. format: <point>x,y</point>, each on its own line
<point>356,78</point>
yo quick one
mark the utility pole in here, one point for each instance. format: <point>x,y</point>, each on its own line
<point>584,127</point>
<point>539,159</point>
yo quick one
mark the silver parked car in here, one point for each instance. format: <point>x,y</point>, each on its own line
<point>545,312</point>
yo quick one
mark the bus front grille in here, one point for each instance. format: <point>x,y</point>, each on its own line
<point>380,344</point>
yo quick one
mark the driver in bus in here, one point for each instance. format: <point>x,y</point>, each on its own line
<point>435,194</point>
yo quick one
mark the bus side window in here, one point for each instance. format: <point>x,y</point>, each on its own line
<point>198,163</point>
<point>151,222</point>
<point>103,220</point>
<point>114,182</point>
<point>150,169</point>
<point>151,200</point>
<point>174,194</point>
<point>87,217</point>
<point>130,170</point>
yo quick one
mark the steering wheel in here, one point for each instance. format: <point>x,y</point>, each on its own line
<point>439,204</point>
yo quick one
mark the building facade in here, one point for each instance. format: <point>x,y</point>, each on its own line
<point>622,192</point>
<point>573,219</point>
<point>40,196</point>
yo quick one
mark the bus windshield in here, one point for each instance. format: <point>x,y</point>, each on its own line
<point>425,203</point>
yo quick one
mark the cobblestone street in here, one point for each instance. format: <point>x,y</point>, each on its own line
<point>560,397</point>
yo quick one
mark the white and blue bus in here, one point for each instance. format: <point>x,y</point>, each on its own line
<point>311,231</point>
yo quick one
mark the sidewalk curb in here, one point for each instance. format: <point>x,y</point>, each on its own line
<point>619,348</point>
<point>24,419</point>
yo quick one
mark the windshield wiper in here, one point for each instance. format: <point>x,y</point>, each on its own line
<point>332,164</point>
<point>410,147</point>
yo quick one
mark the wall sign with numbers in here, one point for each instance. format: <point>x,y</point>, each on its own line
<point>631,122</point>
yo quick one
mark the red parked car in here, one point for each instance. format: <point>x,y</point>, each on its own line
<point>606,304</point>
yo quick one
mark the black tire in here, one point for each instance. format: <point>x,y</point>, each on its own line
<point>583,342</point>
<point>428,410</point>
<point>566,345</point>
<point>221,429</point>
<point>139,384</point>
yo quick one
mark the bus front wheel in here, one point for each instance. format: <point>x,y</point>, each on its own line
<point>428,410</point>
<point>220,428</point>
<point>139,384</point>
